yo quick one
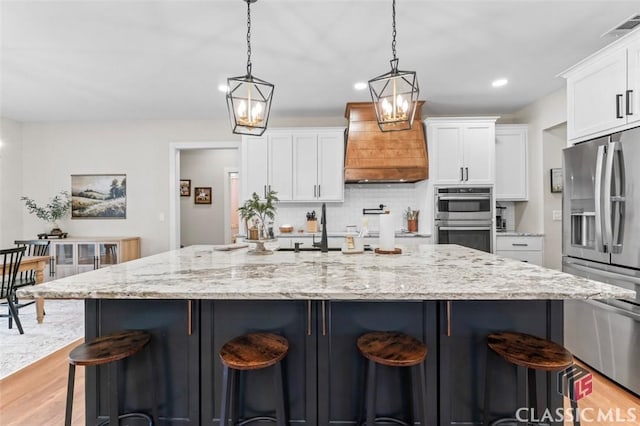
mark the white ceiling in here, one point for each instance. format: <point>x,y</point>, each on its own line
<point>153,59</point>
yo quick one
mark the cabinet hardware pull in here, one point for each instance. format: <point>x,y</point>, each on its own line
<point>461,174</point>
<point>314,191</point>
<point>324,322</point>
<point>308,317</point>
<point>619,106</point>
<point>189,320</point>
<point>520,244</point>
<point>319,191</point>
<point>629,93</point>
<point>448,318</point>
<point>52,270</point>
<point>466,169</point>
<point>265,191</point>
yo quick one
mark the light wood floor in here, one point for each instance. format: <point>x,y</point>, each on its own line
<point>606,396</point>
<point>36,395</point>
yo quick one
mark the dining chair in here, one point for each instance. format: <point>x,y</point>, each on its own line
<point>25,278</point>
<point>11,259</point>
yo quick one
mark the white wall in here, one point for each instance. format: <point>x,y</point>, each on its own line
<point>204,223</point>
<point>11,166</point>
<point>545,113</point>
<point>138,148</point>
<point>554,140</point>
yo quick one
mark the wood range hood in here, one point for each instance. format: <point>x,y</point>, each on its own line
<point>373,156</point>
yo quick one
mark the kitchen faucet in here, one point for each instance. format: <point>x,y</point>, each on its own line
<point>324,243</point>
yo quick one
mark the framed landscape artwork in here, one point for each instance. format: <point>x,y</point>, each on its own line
<point>202,195</point>
<point>185,187</point>
<point>99,196</point>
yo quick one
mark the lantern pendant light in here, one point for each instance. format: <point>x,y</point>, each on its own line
<point>248,97</point>
<point>394,94</point>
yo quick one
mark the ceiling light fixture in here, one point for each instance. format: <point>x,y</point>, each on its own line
<point>499,82</point>
<point>394,94</point>
<point>223,88</point>
<point>248,97</point>
<point>361,85</point>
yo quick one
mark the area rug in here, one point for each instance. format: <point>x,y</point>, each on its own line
<point>63,324</point>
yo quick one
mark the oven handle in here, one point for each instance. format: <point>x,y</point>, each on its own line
<point>463,198</point>
<point>464,228</point>
<point>615,309</point>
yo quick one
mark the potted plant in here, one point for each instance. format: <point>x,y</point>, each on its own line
<point>257,212</point>
<point>56,209</point>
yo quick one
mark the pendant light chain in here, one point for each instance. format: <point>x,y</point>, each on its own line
<point>393,33</point>
<point>248,38</point>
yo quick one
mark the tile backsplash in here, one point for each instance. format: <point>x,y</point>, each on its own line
<point>395,197</point>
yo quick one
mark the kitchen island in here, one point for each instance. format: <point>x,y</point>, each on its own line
<point>194,299</point>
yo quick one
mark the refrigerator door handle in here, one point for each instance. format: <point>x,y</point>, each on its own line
<point>600,244</point>
<point>616,202</point>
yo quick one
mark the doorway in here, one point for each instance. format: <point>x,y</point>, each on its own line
<point>211,174</point>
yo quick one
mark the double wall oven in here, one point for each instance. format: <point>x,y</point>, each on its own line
<point>464,216</point>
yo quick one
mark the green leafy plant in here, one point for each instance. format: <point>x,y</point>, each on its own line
<point>56,209</point>
<point>261,210</point>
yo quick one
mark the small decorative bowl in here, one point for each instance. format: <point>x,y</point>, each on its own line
<point>285,229</point>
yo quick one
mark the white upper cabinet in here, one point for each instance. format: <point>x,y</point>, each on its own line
<point>461,150</point>
<point>331,166</point>
<point>305,166</point>
<point>511,163</point>
<point>254,165</point>
<point>267,166</point>
<point>318,166</point>
<point>602,90</point>
<point>633,81</point>
<point>300,164</point>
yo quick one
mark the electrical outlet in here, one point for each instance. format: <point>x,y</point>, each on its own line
<point>557,215</point>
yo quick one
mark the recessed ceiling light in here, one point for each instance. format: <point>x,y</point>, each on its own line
<point>223,88</point>
<point>499,82</point>
<point>361,85</point>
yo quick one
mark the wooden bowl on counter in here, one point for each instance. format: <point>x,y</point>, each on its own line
<point>285,229</point>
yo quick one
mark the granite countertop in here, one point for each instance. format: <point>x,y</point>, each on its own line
<point>430,272</point>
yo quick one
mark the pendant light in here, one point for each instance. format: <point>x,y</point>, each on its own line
<point>394,94</point>
<point>248,97</point>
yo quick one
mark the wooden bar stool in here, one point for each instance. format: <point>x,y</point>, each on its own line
<point>252,351</point>
<point>109,349</point>
<point>394,350</point>
<point>533,353</point>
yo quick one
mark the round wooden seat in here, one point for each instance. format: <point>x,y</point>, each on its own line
<point>530,351</point>
<point>254,351</point>
<point>392,348</point>
<point>109,348</point>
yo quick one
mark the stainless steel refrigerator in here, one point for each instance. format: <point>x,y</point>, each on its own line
<point>601,241</point>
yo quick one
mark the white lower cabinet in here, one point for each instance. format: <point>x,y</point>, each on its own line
<point>72,256</point>
<point>526,248</point>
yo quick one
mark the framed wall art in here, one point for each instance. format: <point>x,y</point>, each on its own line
<point>99,196</point>
<point>185,187</point>
<point>556,180</point>
<point>202,195</point>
